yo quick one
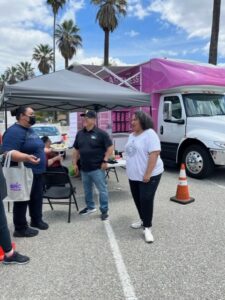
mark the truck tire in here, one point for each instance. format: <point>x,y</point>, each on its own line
<point>199,163</point>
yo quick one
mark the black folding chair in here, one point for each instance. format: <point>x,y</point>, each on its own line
<point>111,169</point>
<point>58,186</point>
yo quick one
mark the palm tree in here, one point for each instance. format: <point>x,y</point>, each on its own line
<point>215,32</point>
<point>11,75</point>
<point>3,77</point>
<point>43,54</point>
<point>68,39</point>
<point>107,17</point>
<point>56,5</point>
<point>24,71</point>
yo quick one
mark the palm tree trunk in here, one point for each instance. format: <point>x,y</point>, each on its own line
<point>54,22</point>
<point>66,63</point>
<point>215,32</point>
<point>106,48</point>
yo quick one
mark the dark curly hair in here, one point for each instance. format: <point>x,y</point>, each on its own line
<point>18,111</point>
<point>144,119</point>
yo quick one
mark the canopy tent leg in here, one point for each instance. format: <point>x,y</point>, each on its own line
<point>6,119</point>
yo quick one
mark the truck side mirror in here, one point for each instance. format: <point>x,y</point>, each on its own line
<point>167,111</point>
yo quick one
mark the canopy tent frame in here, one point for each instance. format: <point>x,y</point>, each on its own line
<point>68,91</point>
<point>106,72</point>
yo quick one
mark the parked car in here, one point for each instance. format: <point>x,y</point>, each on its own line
<point>52,132</point>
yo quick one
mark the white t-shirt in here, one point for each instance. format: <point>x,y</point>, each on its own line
<point>137,151</point>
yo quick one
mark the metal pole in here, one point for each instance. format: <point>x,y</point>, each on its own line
<point>6,119</point>
<point>96,109</point>
<point>6,126</point>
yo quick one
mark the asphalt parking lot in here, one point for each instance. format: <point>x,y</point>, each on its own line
<point>90,259</point>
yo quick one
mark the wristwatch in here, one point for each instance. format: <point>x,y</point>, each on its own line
<point>105,161</point>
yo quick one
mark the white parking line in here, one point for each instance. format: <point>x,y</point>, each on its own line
<point>120,265</point>
<point>220,186</point>
<point>127,286</point>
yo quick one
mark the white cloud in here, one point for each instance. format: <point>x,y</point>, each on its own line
<point>132,33</point>
<point>193,17</point>
<point>71,9</point>
<point>165,53</point>
<point>137,9</point>
<point>24,13</point>
<point>196,21</point>
<point>14,49</point>
<point>25,24</point>
<point>81,58</point>
<point>221,46</point>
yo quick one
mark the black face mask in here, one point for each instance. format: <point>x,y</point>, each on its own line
<point>32,120</point>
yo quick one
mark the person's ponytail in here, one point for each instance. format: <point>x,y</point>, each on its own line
<point>18,111</point>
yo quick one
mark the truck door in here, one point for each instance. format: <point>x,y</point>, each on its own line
<point>171,131</point>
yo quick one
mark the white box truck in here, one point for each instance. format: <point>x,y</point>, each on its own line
<point>187,105</point>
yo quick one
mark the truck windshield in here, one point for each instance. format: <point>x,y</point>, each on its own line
<point>204,104</point>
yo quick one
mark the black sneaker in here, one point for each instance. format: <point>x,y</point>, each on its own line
<point>40,225</point>
<point>104,216</point>
<point>16,258</point>
<point>87,211</point>
<point>28,232</point>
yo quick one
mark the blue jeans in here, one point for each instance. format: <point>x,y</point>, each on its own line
<point>96,177</point>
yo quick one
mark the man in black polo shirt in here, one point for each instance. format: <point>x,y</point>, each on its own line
<point>93,147</point>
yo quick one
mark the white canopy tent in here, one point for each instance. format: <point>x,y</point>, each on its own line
<point>68,91</point>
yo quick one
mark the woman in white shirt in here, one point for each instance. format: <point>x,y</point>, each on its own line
<point>144,169</point>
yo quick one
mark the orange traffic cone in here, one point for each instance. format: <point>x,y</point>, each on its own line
<point>2,254</point>
<point>182,195</point>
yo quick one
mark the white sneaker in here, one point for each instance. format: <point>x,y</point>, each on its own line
<point>137,224</point>
<point>148,235</point>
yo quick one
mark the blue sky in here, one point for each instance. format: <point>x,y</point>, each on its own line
<point>152,28</point>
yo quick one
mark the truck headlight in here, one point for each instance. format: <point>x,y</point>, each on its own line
<point>220,144</point>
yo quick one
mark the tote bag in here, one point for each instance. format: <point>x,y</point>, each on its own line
<point>18,181</point>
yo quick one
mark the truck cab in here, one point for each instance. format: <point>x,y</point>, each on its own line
<point>191,127</point>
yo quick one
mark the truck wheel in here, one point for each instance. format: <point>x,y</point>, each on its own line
<point>198,161</point>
